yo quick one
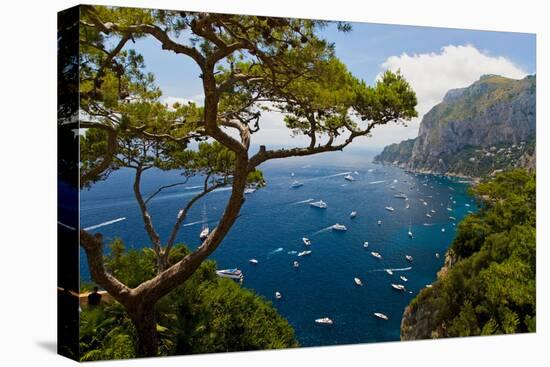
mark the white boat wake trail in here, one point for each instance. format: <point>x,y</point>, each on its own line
<point>280,249</point>
<point>376,182</point>
<point>195,223</point>
<point>302,202</point>
<point>392,269</point>
<point>329,176</point>
<point>322,230</point>
<point>105,223</point>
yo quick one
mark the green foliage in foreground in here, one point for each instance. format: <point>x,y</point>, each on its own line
<point>206,314</point>
<point>491,288</point>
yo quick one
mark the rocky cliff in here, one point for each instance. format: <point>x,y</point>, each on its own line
<point>486,127</point>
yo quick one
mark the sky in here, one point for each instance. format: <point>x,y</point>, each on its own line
<point>433,60</point>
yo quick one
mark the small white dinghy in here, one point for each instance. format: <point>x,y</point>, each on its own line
<point>353,214</point>
<point>403,278</point>
<point>358,281</point>
<point>306,241</point>
<point>324,320</point>
<point>381,316</point>
<point>409,258</point>
<point>296,264</point>
<point>379,222</point>
<point>389,271</point>
<point>278,295</point>
<point>253,261</point>
<point>366,244</point>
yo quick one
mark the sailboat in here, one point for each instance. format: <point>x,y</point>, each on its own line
<point>205,230</point>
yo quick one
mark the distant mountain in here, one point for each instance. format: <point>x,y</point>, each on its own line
<point>486,127</point>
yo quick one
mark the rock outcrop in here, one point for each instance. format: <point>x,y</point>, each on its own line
<point>486,127</point>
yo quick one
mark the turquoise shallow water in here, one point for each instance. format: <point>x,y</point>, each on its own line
<point>274,220</point>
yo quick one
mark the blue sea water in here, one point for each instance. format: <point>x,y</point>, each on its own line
<point>274,220</point>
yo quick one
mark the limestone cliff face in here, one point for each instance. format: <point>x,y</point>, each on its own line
<point>474,131</point>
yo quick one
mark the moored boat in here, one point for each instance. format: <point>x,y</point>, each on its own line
<point>381,316</point>
<point>230,273</point>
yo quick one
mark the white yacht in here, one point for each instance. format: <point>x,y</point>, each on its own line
<point>399,287</point>
<point>205,232</point>
<point>353,214</point>
<point>349,178</point>
<point>358,281</point>
<point>296,184</point>
<point>339,227</point>
<point>318,204</point>
<point>304,253</point>
<point>306,241</point>
<point>249,190</point>
<point>324,320</point>
<point>278,295</point>
<point>253,261</point>
<point>403,278</point>
<point>230,273</point>
<point>389,271</point>
<point>381,316</point>
<point>376,254</point>
<point>409,258</point>
<point>390,208</point>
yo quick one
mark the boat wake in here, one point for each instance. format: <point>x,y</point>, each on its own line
<point>329,176</point>
<point>105,223</point>
<point>193,187</point>
<point>392,269</point>
<point>376,182</point>
<point>292,252</point>
<point>277,250</point>
<point>195,223</point>
<point>302,202</point>
<point>322,230</point>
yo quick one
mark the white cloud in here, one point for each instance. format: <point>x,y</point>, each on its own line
<point>432,74</point>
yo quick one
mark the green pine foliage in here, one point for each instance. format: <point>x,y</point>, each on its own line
<point>491,287</point>
<point>206,314</point>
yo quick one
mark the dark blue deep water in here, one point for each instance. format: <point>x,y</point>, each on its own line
<point>274,220</point>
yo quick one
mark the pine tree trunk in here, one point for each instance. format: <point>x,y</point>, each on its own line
<point>145,322</point>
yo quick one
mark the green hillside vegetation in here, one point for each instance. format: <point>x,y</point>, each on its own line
<point>490,287</point>
<point>202,316</point>
<point>483,161</point>
<point>396,153</point>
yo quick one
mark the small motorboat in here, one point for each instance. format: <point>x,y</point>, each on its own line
<point>389,271</point>
<point>437,255</point>
<point>304,253</point>
<point>318,204</point>
<point>296,184</point>
<point>349,178</point>
<point>324,320</point>
<point>358,281</point>
<point>230,273</point>
<point>390,208</point>
<point>339,227</point>
<point>379,222</point>
<point>296,264</point>
<point>425,203</point>
<point>399,287</point>
<point>249,191</point>
<point>442,229</point>
<point>353,214</point>
<point>407,206</point>
<point>376,254</point>
<point>400,196</point>
<point>278,295</point>
<point>306,241</point>
<point>409,258</point>
<point>253,261</point>
<point>452,218</point>
<point>432,210</point>
<point>366,244</point>
<point>403,278</point>
<point>381,316</point>
<point>428,285</point>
